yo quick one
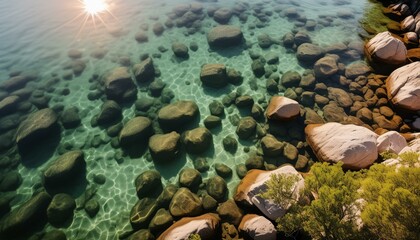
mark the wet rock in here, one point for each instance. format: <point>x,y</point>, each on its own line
<point>148,183</point>
<point>282,108</point>
<point>230,212</point>
<point>246,128</point>
<point>340,96</point>
<point>234,77</point>
<point>206,226</point>
<point>290,79</point>
<point>66,169</point>
<point>224,36</point>
<point>288,40</point>
<point>214,75</point>
<point>357,69</point>
<point>119,86</point>
<point>78,66</point>
<point>257,227</point>
<point>325,67</point>
<point>142,234</point>
<point>309,53</point>
<point>135,131</point>
<point>161,221</point>
<point>36,126</point>
<point>271,146</point>
<point>28,216</point>
<point>254,162</point>
<point>209,203</point>
<point>229,231</point>
<point>190,178</point>
<point>180,50</point>
<point>244,101</point>
<point>255,181</point>
<point>223,170</point>
<point>177,114</point>
<point>290,152</point>
<point>217,188</point>
<point>201,164</point>
<point>166,195</point>
<point>185,204</point>
<point>230,144</point>
<point>222,15</point>
<point>256,111</point>
<point>164,147</point>
<point>99,179</point>
<point>110,113</point>
<point>216,108</point>
<point>241,170</point>
<point>334,113</point>
<point>144,104</point>
<point>403,88</point>
<point>61,209</point>
<point>301,38</point>
<point>301,162</point>
<point>141,37</point>
<point>70,118</point>
<point>353,145</point>
<point>144,71</point>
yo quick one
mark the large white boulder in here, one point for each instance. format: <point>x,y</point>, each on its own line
<point>282,108</point>
<point>403,87</point>
<point>353,145</point>
<point>391,141</point>
<point>205,225</point>
<point>254,183</point>
<point>384,48</point>
<point>258,227</point>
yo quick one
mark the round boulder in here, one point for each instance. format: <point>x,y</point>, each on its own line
<point>164,147</point>
<point>147,183</point>
<point>197,140</point>
<point>176,114</point>
<point>136,130</point>
<point>224,36</point>
<point>119,86</point>
<point>61,209</point>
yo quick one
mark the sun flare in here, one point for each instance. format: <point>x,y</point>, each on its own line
<point>94,7</point>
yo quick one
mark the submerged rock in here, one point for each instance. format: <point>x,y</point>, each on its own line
<point>27,217</point>
<point>197,140</point>
<point>142,212</point>
<point>65,169</point>
<point>185,204</point>
<point>214,75</point>
<point>206,226</point>
<point>110,113</point>
<point>180,50</point>
<point>147,183</point>
<point>136,131</point>
<point>9,105</point>
<point>144,71</point>
<point>161,221</point>
<point>175,115</point>
<point>70,117</point>
<point>353,145</point>
<point>403,87</point>
<point>217,188</point>
<point>222,15</point>
<point>246,128</point>
<point>164,147</point>
<point>38,125</point>
<point>61,209</point>
<point>309,53</point>
<point>119,86</point>
<point>225,36</point>
<point>230,212</point>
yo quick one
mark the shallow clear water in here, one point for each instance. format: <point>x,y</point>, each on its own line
<point>36,35</point>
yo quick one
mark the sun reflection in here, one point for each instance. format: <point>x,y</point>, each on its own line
<point>94,7</point>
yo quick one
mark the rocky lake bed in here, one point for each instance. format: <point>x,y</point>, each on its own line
<point>168,120</point>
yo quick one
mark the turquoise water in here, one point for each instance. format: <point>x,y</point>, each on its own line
<point>37,36</point>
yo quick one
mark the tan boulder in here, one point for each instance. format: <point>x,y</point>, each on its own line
<point>403,87</point>
<point>353,145</point>
<point>282,108</point>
